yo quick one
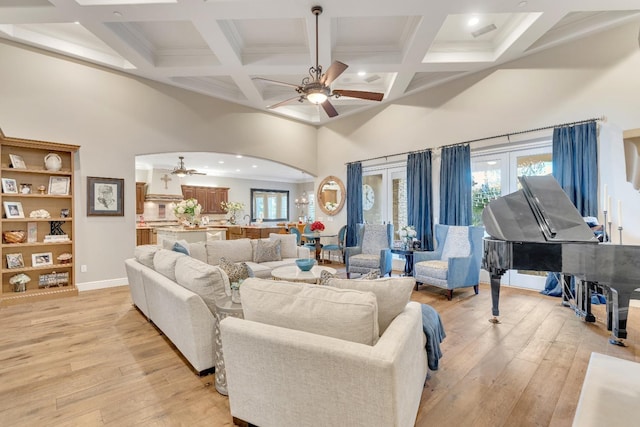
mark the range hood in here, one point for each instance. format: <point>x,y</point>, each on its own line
<point>163,187</point>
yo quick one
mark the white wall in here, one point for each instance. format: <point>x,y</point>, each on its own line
<point>588,78</point>
<point>114,117</point>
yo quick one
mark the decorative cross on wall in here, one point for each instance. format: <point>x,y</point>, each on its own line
<point>166,180</point>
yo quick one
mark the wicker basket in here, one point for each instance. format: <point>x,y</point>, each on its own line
<point>16,236</point>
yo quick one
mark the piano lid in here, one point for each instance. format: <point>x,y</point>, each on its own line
<point>540,212</point>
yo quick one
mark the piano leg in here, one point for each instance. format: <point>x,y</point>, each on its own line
<point>620,308</point>
<point>495,294</point>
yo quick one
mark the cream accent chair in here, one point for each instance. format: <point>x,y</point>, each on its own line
<point>284,377</point>
<point>456,261</point>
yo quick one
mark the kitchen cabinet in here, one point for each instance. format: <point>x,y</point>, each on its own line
<point>144,236</point>
<point>140,193</point>
<point>39,247</point>
<point>208,197</point>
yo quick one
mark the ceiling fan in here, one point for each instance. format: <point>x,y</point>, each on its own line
<point>182,171</point>
<point>316,88</point>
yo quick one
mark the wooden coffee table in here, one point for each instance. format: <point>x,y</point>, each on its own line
<point>291,273</point>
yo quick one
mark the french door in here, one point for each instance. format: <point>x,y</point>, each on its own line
<point>384,195</point>
<point>495,174</point>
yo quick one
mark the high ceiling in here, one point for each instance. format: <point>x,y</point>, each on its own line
<point>219,47</point>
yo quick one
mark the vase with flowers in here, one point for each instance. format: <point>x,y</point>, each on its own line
<point>232,208</point>
<point>188,212</point>
<point>407,234</point>
<point>316,227</point>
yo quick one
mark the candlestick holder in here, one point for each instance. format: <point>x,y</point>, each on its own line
<point>620,231</point>
<point>605,236</point>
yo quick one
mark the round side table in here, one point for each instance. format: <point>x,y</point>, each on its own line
<point>224,308</point>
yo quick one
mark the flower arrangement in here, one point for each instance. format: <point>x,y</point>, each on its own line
<point>232,208</point>
<point>330,206</point>
<point>407,234</point>
<point>317,226</point>
<point>188,211</point>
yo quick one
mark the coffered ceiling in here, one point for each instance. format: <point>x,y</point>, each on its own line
<point>219,47</point>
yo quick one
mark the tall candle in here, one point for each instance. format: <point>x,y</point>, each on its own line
<point>604,199</point>
<point>619,213</point>
<point>609,208</point>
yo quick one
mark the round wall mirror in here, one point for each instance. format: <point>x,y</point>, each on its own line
<point>331,195</point>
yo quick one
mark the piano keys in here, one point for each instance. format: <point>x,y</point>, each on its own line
<point>538,228</point>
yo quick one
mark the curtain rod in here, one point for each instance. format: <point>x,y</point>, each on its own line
<point>602,118</point>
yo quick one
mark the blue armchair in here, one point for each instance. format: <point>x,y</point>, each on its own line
<point>456,261</point>
<point>373,250</point>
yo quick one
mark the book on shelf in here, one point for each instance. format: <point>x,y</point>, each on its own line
<point>50,238</point>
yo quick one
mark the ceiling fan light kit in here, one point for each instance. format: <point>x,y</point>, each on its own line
<point>317,87</point>
<point>181,171</point>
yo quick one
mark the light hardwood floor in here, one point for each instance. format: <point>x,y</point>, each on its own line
<point>94,360</point>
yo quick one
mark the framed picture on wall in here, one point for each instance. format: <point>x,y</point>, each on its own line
<point>105,196</point>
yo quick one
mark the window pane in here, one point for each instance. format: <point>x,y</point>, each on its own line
<point>487,185</point>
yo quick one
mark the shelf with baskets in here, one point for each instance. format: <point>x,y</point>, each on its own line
<point>37,223</point>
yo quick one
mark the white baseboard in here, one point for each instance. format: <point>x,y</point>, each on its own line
<point>102,284</point>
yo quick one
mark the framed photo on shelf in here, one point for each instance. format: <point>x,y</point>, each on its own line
<point>105,196</point>
<point>32,232</point>
<point>15,261</point>
<point>13,209</point>
<point>17,162</point>
<point>59,185</point>
<point>44,258</point>
<point>9,185</point>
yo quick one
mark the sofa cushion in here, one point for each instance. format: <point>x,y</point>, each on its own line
<point>164,262</point>
<point>237,250</point>
<point>288,244</point>
<point>340,313</point>
<point>144,254</point>
<point>208,281</point>
<point>436,269</point>
<point>392,294</point>
<point>267,250</point>
<point>235,271</point>
<point>198,250</point>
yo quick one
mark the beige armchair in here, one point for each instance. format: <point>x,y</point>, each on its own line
<point>279,376</point>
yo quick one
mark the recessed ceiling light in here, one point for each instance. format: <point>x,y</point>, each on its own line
<point>77,22</point>
<point>362,73</point>
<point>522,4</point>
<point>491,162</point>
<point>221,162</point>
<point>473,21</point>
<point>254,166</point>
<point>239,156</point>
<point>117,14</point>
<point>237,170</point>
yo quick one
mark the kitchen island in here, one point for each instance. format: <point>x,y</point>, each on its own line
<point>190,235</point>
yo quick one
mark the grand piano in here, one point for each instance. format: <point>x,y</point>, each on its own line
<point>538,228</point>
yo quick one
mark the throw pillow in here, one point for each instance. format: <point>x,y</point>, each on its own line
<point>267,250</point>
<point>145,253</point>
<point>164,262</point>
<point>373,274</point>
<point>392,295</point>
<point>321,310</point>
<point>235,272</point>
<point>178,247</point>
<point>288,244</point>
<point>325,276</point>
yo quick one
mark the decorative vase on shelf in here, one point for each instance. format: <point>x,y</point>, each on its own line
<point>52,162</point>
<point>232,219</point>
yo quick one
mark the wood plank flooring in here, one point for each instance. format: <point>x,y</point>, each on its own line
<point>94,360</point>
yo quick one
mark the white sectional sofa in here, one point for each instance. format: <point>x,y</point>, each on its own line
<point>178,292</point>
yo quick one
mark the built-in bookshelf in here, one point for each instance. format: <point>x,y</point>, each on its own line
<point>37,220</point>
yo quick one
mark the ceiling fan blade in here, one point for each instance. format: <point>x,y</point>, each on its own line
<point>371,96</point>
<point>281,103</point>
<point>333,72</point>
<point>276,82</point>
<point>329,109</point>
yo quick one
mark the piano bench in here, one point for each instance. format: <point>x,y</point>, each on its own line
<point>610,393</point>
